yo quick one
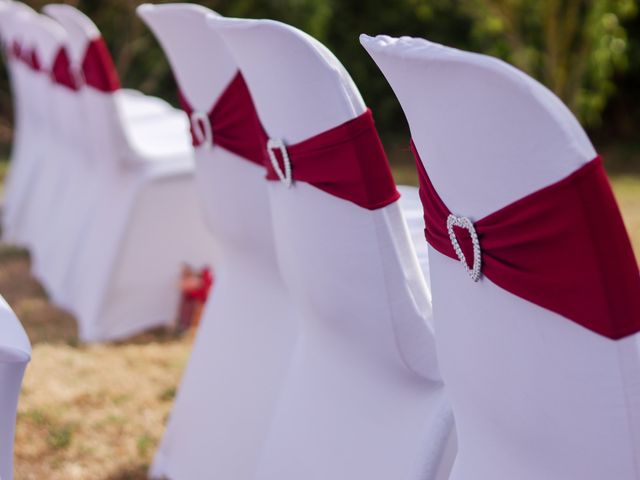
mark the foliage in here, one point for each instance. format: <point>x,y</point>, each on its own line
<point>573,46</point>
<point>584,50</point>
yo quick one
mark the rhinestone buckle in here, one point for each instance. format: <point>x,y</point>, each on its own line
<point>201,128</point>
<point>464,222</point>
<point>277,144</point>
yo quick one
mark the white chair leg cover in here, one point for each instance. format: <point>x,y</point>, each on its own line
<point>15,353</point>
<point>362,397</point>
<point>227,396</point>
<point>534,395</point>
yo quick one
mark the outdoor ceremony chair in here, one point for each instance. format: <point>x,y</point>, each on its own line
<point>226,400</point>
<point>363,397</point>
<point>27,79</point>
<point>63,154</point>
<point>91,66</point>
<point>537,329</point>
<point>15,353</point>
<point>141,222</point>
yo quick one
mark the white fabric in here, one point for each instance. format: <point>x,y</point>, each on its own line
<point>30,123</point>
<point>226,400</point>
<point>62,178</point>
<point>15,353</point>
<point>413,215</point>
<point>362,397</point>
<point>114,211</point>
<point>534,395</point>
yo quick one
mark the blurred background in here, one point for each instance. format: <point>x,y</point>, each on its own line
<point>98,411</point>
<point>586,51</point>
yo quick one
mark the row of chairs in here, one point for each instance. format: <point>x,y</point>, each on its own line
<point>316,357</point>
<point>100,187</point>
<point>347,385</point>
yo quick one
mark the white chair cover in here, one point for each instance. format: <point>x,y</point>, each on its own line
<point>30,124</point>
<point>76,201</point>
<point>15,353</point>
<point>225,402</point>
<point>362,398</point>
<point>139,224</point>
<point>7,35</point>
<point>534,395</point>
<point>62,171</point>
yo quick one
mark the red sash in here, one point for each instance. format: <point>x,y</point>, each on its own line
<point>231,123</point>
<point>98,68</point>
<point>347,161</point>
<point>564,248</point>
<point>61,71</point>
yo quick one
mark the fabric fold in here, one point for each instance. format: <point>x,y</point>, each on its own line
<point>347,161</point>
<point>233,122</point>
<point>98,68</point>
<point>564,248</point>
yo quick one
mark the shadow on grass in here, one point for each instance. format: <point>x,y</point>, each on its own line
<point>133,472</point>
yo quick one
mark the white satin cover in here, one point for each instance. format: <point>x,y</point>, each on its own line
<point>227,396</point>
<point>362,398</point>
<point>15,353</point>
<point>534,395</point>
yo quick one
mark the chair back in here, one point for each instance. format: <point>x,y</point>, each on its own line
<point>354,280</point>
<point>532,392</point>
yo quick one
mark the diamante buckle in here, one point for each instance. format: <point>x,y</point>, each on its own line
<point>277,144</point>
<point>201,128</point>
<point>464,222</point>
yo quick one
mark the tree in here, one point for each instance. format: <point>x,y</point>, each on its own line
<point>573,46</point>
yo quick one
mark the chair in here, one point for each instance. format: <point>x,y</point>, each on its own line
<point>77,196</point>
<point>28,129</point>
<point>143,223</point>
<point>227,396</point>
<point>63,153</point>
<point>15,353</point>
<point>534,394</point>
<point>363,397</point>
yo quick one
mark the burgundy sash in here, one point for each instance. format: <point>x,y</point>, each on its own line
<point>98,68</point>
<point>232,122</point>
<point>564,248</point>
<point>28,56</point>
<point>347,161</point>
<point>61,71</point>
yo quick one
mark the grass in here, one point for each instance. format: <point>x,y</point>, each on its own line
<point>86,411</point>
<point>98,411</point>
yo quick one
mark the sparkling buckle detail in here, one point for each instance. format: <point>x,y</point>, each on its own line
<point>277,144</point>
<point>464,222</point>
<point>201,128</point>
